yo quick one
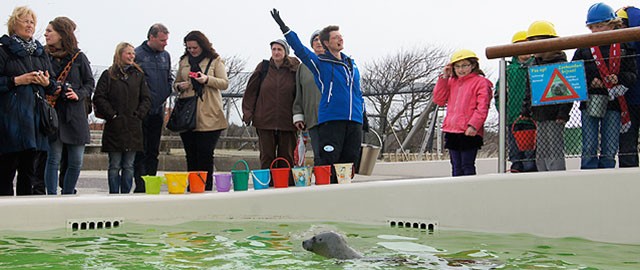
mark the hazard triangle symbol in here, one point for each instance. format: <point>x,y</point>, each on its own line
<point>558,89</point>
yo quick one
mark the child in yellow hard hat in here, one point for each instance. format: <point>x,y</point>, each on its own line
<point>550,119</point>
<point>465,91</point>
<point>521,160</point>
<point>628,148</point>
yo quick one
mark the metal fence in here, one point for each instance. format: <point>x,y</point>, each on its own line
<point>599,129</point>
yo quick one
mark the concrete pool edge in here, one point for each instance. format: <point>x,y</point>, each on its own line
<point>598,205</point>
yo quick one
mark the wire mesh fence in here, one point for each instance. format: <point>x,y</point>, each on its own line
<point>599,128</point>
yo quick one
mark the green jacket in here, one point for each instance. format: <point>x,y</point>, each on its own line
<point>516,87</point>
<point>305,104</point>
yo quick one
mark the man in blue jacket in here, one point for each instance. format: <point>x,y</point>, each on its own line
<point>340,114</point>
<point>156,64</point>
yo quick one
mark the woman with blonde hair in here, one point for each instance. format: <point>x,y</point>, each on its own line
<point>24,74</point>
<point>122,99</point>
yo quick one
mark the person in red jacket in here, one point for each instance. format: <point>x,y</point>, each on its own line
<point>465,91</point>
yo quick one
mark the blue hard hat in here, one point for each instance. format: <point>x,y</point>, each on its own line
<point>600,12</point>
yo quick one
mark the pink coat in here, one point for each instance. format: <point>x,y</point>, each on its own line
<point>467,100</point>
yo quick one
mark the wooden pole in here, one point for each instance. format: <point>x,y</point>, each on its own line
<point>563,43</point>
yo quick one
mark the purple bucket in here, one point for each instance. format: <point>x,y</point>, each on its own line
<point>223,182</point>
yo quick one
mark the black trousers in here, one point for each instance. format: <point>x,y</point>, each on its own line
<point>25,164</point>
<point>37,184</point>
<point>339,143</point>
<point>628,148</point>
<point>146,162</point>
<point>199,147</point>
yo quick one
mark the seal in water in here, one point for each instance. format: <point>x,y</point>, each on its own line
<point>330,245</point>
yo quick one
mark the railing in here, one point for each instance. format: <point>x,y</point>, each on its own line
<point>578,132</point>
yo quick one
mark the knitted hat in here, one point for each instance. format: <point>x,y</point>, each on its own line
<point>314,35</point>
<point>283,43</point>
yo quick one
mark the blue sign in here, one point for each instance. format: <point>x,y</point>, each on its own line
<point>557,83</point>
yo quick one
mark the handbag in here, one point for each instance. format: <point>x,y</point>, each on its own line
<point>48,116</point>
<point>183,115</point>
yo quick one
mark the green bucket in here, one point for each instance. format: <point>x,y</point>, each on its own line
<point>152,183</point>
<point>240,177</point>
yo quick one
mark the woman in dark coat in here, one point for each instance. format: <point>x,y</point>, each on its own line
<point>122,99</point>
<point>24,72</point>
<point>73,132</point>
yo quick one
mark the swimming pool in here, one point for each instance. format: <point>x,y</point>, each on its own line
<point>594,205</point>
<point>277,245</point>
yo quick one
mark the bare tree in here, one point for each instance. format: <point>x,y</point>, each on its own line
<point>398,86</point>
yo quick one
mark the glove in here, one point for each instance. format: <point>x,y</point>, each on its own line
<point>616,91</point>
<point>276,17</point>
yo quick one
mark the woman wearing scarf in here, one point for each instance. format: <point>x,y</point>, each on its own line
<point>24,72</point>
<point>122,99</point>
<point>71,68</point>
<point>208,77</point>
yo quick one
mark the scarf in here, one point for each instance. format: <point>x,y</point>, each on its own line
<point>195,67</point>
<point>605,71</point>
<point>29,46</point>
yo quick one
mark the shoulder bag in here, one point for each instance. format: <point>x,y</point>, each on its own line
<point>183,115</point>
<point>48,116</point>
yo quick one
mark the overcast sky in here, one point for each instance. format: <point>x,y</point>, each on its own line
<point>371,28</point>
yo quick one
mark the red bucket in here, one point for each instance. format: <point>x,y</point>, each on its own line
<point>280,176</point>
<point>323,174</point>
<point>524,134</point>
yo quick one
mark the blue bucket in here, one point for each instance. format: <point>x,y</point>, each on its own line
<point>261,179</point>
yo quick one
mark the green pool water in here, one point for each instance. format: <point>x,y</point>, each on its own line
<point>271,245</point>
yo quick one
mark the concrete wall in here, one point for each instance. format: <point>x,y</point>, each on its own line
<point>600,205</point>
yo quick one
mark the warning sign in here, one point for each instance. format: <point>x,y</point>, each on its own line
<point>557,83</point>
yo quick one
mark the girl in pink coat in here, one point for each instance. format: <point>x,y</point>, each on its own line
<point>465,91</point>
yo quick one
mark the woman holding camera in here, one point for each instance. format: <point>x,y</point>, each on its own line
<point>122,99</point>
<point>75,79</point>
<point>202,72</point>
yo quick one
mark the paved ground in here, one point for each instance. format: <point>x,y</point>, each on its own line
<point>95,182</point>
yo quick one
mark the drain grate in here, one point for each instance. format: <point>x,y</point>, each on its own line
<point>425,225</point>
<point>94,223</point>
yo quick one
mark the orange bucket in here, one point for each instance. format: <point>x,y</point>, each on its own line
<point>323,174</point>
<point>280,176</point>
<point>524,134</point>
<point>197,181</point>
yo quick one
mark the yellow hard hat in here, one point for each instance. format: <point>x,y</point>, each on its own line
<point>461,55</point>
<point>541,28</point>
<point>622,13</point>
<point>519,36</point>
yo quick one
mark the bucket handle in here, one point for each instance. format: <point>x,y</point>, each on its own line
<point>280,158</point>
<point>245,165</point>
<point>520,118</point>
<point>258,179</point>
<point>200,176</point>
<point>378,136</point>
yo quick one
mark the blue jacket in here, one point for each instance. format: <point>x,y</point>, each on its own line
<point>338,82</point>
<point>157,72</point>
<point>19,127</point>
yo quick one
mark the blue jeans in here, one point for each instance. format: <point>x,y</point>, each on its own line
<point>75,152</point>
<point>463,162</point>
<point>607,129</point>
<point>120,173</point>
